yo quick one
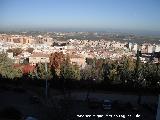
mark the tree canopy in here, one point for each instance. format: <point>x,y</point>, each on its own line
<point>7,68</point>
<point>69,71</point>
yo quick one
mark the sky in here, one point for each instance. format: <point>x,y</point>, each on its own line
<point>81,14</point>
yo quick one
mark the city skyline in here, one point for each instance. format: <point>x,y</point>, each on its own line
<point>126,15</point>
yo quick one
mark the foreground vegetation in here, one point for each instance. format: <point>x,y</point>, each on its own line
<point>126,73</point>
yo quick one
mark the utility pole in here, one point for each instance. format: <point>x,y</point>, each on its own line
<point>158,109</point>
<point>137,75</point>
<point>46,89</point>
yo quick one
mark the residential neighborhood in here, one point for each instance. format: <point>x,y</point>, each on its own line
<point>78,49</point>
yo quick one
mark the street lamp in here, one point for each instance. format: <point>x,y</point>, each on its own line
<point>46,88</point>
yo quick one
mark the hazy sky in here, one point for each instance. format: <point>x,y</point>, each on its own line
<point>100,14</point>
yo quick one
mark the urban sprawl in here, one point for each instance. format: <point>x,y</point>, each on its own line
<point>79,45</point>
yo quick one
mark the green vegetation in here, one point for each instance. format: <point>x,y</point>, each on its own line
<point>41,72</point>
<point>7,69</point>
<point>125,72</point>
<point>16,51</point>
<point>30,50</point>
<point>69,71</point>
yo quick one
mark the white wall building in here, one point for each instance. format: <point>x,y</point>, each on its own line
<point>10,55</point>
<point>157,49</point>
<point>135,47</point>
<point>150,49</point>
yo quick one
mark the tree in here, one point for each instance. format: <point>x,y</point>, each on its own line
<point>16,51</point>
<point>26,61</point>
<point>137,75</point>
<point>93,70</point>
<point>127,68</point>
<point>106,72</point>
<point>7,68</point>
<point>86,73</point>
<point>56,60</point>
<point>113,74</point>
<point>128,63</point>
<point>97,70</point>
<point>152,74</point>
<point>30,50</point>
<point>9,50</point>
<point>41,72</point>
<point>69,71</point>
<point>89,61</point>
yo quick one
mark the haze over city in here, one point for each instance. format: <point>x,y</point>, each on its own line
<point>83,15</point>
<point>73,59</point>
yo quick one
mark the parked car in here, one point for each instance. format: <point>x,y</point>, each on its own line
<point>30,118</point>
<point>107,104</point>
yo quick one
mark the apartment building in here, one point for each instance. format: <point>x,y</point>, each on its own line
<point>38,58</point>
<point>79,60</point>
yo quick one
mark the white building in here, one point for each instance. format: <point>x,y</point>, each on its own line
<point>157,49</point>
<point>150,49</point>
<point>38,58</point>
<point>10,55</point>
<point>130,46</point>
<point>135,47</point>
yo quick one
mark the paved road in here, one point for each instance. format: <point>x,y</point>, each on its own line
<point>114,96</point>
<point>79,105</point>
<point>21,101</point>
